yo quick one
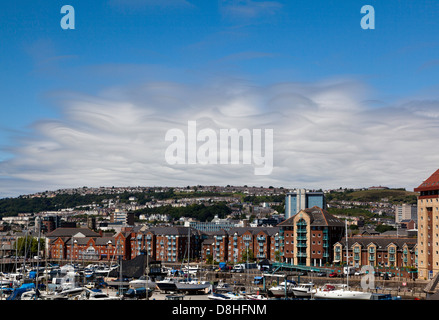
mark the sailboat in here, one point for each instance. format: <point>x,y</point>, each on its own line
<point>191,285</point>
<point>341,291</point>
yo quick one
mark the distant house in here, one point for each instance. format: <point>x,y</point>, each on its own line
<point>408,224</point>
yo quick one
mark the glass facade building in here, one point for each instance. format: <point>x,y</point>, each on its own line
<point>302,199</point>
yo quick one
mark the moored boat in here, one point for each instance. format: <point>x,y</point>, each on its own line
<point>340,291</point>
<point>304,290</point>
<point>280,290</point>
<point>142,282</point>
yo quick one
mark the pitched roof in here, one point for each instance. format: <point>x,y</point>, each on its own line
<point>99,241</point>
<point>69,232</point>
<point>180,231</point>
<point>432,183</point>
<point>318,217</point>
<point>253,230</point>
<point>381,242</point>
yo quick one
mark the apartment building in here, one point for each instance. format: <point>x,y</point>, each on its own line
<point>238,243</point>
<point>428,226</point>
<point>308,237</point>
<point>84,244</point>
<point>376,251</point>
<point>170,244</point>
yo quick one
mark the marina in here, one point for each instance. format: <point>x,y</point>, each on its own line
<point>100,282</point>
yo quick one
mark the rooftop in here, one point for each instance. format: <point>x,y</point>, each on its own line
<point>432,183</point>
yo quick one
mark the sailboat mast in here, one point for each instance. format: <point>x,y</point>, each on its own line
<point>347,254</point>
<point>188,248</point>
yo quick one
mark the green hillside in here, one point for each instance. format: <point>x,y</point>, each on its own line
<point>394,196</point>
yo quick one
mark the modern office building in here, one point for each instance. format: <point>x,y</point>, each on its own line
<point>121,216</point>
<point>302,199</point>
<point>428,227</point>
<point>406,211</point>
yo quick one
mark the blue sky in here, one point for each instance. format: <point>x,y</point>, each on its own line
<point>197,46</point>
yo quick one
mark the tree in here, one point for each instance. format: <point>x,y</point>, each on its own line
<point>28,246</point>
<point>209,259</point>
<point>277,255</point>
<point>383,228</point>
<point>248,254</point>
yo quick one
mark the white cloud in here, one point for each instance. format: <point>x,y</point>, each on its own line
<point>324,136</point>
<point>142,4</point>
<point>248,9</point>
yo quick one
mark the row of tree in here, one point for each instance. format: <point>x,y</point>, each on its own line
<point>200,212</point>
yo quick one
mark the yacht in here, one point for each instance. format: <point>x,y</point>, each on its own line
<point>191,269</point>
<point>142,282</point>
<point>192,285</point>
<point>255,297</point>
<point>279,290</point>
<point>97,295</point>
<point>167,284</point>
<point>226,296</point>
<point>340,291</point>
<point>304,290</point>
<point>223,287</point>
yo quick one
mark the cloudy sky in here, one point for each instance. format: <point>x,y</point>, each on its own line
<point>91,106</point>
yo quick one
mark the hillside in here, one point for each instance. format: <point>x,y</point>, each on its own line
<point>393,196</point>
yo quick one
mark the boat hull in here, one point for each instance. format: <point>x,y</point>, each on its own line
<point>280,292</point>
<point>166,286</point>
<point>303,294</point>
<point>342,294</point>
<point>181,286</point>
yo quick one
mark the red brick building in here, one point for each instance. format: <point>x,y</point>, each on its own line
<point>84,244</point>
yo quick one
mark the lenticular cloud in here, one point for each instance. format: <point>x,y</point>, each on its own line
<point>325,135</point>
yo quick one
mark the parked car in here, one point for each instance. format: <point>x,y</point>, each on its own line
<point>333,275</point>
